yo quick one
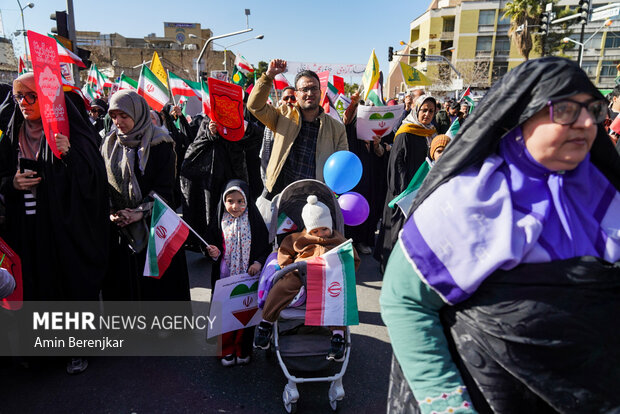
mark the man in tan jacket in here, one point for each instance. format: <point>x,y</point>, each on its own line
<point>304,135</point>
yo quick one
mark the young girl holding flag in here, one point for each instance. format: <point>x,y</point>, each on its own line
<point>239,244</point>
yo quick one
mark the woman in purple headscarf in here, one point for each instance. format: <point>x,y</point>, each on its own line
<point>503,291</point>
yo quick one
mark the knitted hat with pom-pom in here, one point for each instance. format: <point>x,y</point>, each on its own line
<point>316,214</point>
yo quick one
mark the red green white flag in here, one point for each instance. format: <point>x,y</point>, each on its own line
<point>67,56</point>
<point>167,235</point>
<point>21,68</point>
<point>151,88</point>
<point>375,95</point>
<point>280,82</point>
<point>468,98</point>
<point>243,65</point>
<point>332,297</point>
<point>206,100</point>
<point>180,86</point>
<point>126,82</point>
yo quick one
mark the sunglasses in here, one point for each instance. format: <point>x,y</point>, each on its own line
<point>289,98</point>
<point>567,111</point>
<point>97,111</point>
<point>30,98</point>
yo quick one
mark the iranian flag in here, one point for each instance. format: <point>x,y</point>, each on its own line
<point>90,92</point>
<point>468,98</point>
<point>96,80</point>
<point>151,88</point>
<point>180,86</point>
<point>280,82</point>
<point>167,235</point>
<point>125,82</point>
<point>332,299</point>
<point>243,65</point>
<point>285,224</point>
<point>206,100</point>
<point>67,56</point>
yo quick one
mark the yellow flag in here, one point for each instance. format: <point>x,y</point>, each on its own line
<point>158,69</point>
<point>371,74</point>
<point>412,76</point>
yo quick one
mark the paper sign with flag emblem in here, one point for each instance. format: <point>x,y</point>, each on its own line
<point>413,77</point>
<point>226,102</point>
<point>371,74</point>
<point>167,235</point>
<point>332,297</point>
<point>234,304</point>
<point>155,93</point>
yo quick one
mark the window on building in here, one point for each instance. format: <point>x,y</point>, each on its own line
<point>502,46</point>
<point>608,69</point>
<point>486,21</point>
<point>483,46</point>
<point>502,24</point>
<point>589,67</point>
<point>499,70</point>
<point>595,42</point>
<point>448,24</point>
<point>613,40</point>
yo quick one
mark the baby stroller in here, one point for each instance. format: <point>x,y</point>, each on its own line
<point>302,349</point>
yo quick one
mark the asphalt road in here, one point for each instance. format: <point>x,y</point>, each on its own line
<point>201,384</point>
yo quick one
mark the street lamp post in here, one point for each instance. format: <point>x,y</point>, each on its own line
<point>607,23</point>
<point>29,5</point>
<point>227,48</point>
<point>209,40</point>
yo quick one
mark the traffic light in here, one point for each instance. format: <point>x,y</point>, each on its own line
<point>584,10</point>
<point>423,55</point>
<point>390,53</point>
<point>544,23</point>
<point>84,55</point>
<point>61,28</point>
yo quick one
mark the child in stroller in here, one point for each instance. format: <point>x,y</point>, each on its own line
<point>315,239</point>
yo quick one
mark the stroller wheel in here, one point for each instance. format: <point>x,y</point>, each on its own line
<point>335,393</point>
<point>291,408</point>
<point>334,405</point>
<point>290,395</point>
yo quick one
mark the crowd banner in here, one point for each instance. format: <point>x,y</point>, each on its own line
<point>46,68</point>
<point>338,69</point>
<point>377,120</point>
<point>227,108</point>
<point>234,304</point>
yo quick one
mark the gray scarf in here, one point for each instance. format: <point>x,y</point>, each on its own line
<point>120,150</point>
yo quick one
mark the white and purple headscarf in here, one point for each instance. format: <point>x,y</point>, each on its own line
<point>475,217</point>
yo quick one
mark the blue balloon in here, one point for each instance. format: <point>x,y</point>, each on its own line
<point>342,171</point>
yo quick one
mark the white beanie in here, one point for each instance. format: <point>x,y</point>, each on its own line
<point>316,214</point>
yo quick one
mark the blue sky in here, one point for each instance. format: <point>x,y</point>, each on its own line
<point>308,31</point>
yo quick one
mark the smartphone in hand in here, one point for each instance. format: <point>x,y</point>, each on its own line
<point>26,164</point>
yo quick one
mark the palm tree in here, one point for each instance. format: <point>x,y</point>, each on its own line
<point>523,14</point>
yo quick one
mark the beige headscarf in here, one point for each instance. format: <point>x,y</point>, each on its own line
<point>31,132</point>
<point>119,150</point>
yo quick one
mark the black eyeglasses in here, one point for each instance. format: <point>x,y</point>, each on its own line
<point>289,98</point>
<point>309,89</point>
<point>566,111</point>
<point>30,98</point>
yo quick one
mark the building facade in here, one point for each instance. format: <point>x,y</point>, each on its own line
<point>473,36</point>
<point>178,51</point>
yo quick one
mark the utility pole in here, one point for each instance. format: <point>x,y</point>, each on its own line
<point>72,38</point>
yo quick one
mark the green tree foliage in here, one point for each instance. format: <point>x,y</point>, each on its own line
<point>554,44</point>
<point>262,68</point>
<point>349,88</point>
<point>523,15</point>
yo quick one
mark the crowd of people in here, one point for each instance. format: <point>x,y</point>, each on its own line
<point>529,186</point>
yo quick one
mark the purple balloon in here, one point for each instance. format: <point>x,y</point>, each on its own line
<point>355,208</point>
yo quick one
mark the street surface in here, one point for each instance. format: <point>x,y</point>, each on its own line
<point>201,384</point>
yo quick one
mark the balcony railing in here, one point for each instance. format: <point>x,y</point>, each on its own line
<point>483,53</point>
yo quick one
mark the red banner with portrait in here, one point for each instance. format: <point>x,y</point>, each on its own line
<point>227,108</point>
<point>51,97</point>
<point>10,261</point>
